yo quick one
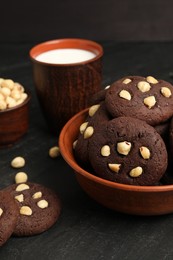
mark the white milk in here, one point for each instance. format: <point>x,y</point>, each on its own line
<point>65,56</point>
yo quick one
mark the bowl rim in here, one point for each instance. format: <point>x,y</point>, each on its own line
<point>92,177</point>
<point>18,106</point>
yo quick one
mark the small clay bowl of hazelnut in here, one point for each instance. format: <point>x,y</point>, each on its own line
<point>129,199</point>
<point>14,111</point>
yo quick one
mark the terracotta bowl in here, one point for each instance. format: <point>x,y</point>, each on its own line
<point>130,199</point>
<point>14,123</point>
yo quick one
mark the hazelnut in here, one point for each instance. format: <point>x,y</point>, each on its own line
<point>105,150</point>
<point>42,204</point>
<point>115,167</point>
<point>12,93</point>
<point>25,210</point>
<point>19,198</point>
<point>16,94</point>
<point>19,87</point>
<point>136,172</point>
<point>166,92</point>
<point>124,147</point>
<point>3,105</point>
<point>54,152</point>
<point>11,102</point>
<point>24,96</point>
<point>1,97</point>
<point>145,152</point>
<point>83,127</point>
<point>37,195</point>
<point>125,94</point>
<point>7,83</point>
<point>88,132</point>
<point>22,187</point>
<point>1,212</point>
<point>18,162</point>
<point>150,101</point>
<point>143,86</point>
<point>93,110</point>
<point>21,177</point>
<point>152,80</point>
<point>126,81</point>
<point>21,99</point>
<point>74,144</point>
<point>5,91</point>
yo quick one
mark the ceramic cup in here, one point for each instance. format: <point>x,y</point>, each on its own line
<point>66,73</point>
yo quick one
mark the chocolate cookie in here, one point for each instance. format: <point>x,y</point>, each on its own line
<point>39,208</point>
<point>129,151</point>
<point>9,213</point>
<point>98,96</point>
<point>147,99</point>
<point>167,178</point>
<point>163,130</point>
<point>97,116</point>
<point>171,141</point>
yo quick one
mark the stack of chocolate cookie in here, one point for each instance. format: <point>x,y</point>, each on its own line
<point>27,209</point>
<point>125,137</point>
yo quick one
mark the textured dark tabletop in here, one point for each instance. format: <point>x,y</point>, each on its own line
<point>85,229</point>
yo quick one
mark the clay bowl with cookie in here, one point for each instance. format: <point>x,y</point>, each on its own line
<point>129,199</point>
<point>14,122</point>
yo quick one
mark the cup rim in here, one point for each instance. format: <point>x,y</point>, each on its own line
<point>80,43</point>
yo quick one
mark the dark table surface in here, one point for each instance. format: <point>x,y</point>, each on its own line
<point>85,229</point>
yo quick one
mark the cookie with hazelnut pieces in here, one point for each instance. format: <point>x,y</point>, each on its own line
<point>171,142</point>
<point>9,213</point>
<point>148,99</point>
<point>129,151</point>
<point>39,208</point>
<point>97,116</point>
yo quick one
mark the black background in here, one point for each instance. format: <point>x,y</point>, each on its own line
<point>120,20</point>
